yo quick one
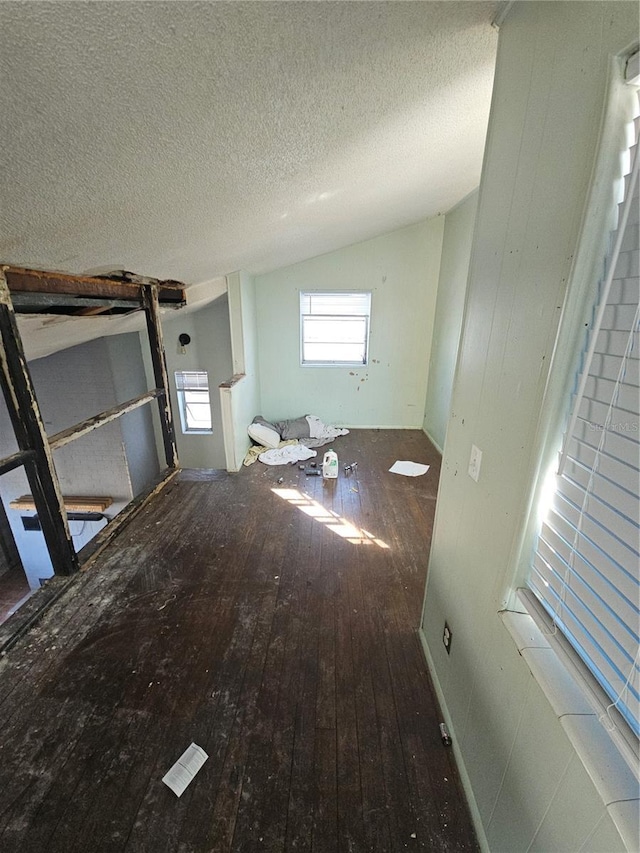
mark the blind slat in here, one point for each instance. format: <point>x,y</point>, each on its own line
<point>335,303</point>
<point>192,380</point>
<point>619,525</point>
<point>585,566</point>
<point>592,645</point>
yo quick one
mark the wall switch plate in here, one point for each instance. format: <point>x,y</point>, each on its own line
<point>446,638</point>
<point>475,460</point>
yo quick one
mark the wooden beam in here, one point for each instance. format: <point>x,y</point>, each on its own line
<point>22,404</point>
<point>65,436</point>
<point>127,288</point>
<point>8,548</point>
<point>152,313</point>
<point>91,312</point>
<point>15,460</point>
<point>73,503</point>
<point>31,303</point>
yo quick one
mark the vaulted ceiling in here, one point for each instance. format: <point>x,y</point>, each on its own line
<point>186,140</point>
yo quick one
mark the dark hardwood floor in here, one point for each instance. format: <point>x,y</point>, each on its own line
<point>14,590</point>
<point>273,624</point>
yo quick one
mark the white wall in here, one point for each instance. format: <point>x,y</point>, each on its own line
<point>241,400</point>
<point>530,789</point>
<point>401,270</point>
<point>452,287</point>
<point>129,380</point>
<point>210,350</point>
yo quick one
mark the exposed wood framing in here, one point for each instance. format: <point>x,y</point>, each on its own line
<point>8,548</point>
<point>28,425</point>
<point>84,296</point>
<point>91,311</point>
<point>15,460</point>
<point>152,313</point>
<point>71,433</point>
<point>25,302</point>
<point>125,288</point>
<point>73,503</point>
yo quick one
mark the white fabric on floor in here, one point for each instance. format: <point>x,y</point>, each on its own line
<point>286,454</point>
<point>317,429</point>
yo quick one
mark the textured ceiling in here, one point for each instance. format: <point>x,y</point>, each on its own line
<point>189,139</point>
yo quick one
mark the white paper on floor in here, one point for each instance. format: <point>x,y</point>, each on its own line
<point>409,469</point>
<point>185,768</point>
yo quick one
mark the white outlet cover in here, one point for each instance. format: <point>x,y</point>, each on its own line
<point>475,460</point>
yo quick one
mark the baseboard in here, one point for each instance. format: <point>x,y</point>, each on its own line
<point>433,441</point>
<point>377,426</point>
<point>462,770</point>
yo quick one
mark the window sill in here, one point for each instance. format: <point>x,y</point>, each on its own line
<point>578,710</point>
<point>354,365</point>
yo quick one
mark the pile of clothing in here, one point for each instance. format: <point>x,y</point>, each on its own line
<point>281,442</point>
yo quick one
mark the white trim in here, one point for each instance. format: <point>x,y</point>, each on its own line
<point>379,426</point>
<point>577,701</point>
<point>604,297</point>
<point>228,432</point>
<point>306,295</point>
<point>433,441</point>
<point>236,328</point>
<point>598,220</point>
<point>462,770</point>
<point>632,71</point>
<point>502,11</point>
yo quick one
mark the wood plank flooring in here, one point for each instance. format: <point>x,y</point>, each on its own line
<point>274,624</point>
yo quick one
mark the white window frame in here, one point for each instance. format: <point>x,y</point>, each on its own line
<point>530,625</point>
<point>192,382</point>
<point>311,307</point>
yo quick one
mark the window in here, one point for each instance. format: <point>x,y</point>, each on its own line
<point>585,566</point>
<point>192,387</point>
<point>334,328</point>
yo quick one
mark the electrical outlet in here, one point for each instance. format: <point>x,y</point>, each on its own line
<point>475,460</point>
<point>446,638</point>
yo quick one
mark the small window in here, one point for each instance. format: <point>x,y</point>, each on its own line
<point>192,387</point>
<point>334,328</point>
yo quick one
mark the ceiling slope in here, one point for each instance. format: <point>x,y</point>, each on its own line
<point>186,140</point>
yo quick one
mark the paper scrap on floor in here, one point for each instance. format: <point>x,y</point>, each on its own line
<point>408,469</point>
<point>183,771</point>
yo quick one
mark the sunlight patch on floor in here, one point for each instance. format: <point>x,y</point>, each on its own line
<point>334,522</point>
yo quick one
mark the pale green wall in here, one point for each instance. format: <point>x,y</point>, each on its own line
<point>452,286</point>
<point>401,270</point>
<point>531,791</point>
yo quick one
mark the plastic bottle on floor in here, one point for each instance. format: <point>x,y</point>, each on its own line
<point>330,465</point>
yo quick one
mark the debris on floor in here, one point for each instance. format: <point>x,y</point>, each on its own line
<point>408,469</point>
<point>184,770</point>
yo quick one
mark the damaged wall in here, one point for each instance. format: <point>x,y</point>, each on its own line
<point>401,270</point>
<point>72,385</point>
<point>210,350</point>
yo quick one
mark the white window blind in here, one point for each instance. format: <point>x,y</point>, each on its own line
<point>334,327</point>
<point>192,380</point>
<point>586,563</point>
